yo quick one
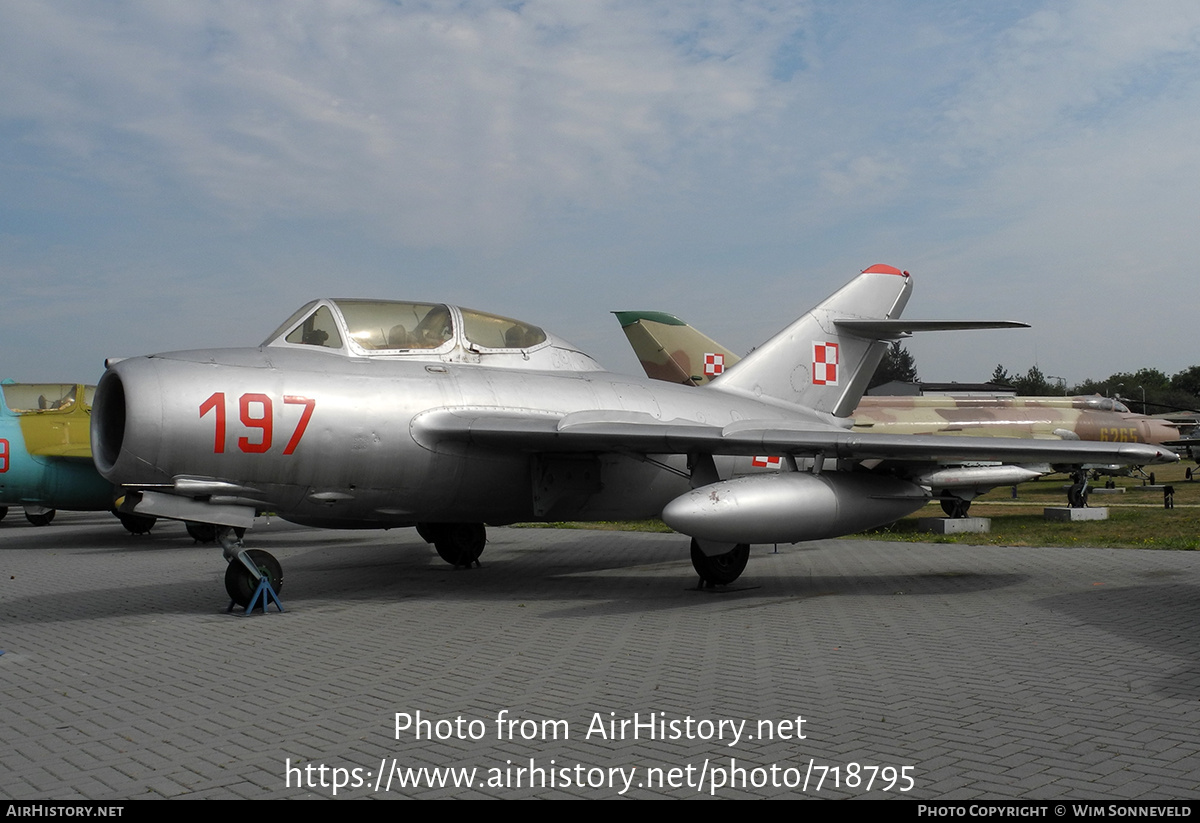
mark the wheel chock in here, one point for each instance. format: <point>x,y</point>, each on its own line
<point>264,591</point>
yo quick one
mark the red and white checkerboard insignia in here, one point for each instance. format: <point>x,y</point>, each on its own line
<point>714,364</point>
<point>765,462</point>
<point>825,364</point>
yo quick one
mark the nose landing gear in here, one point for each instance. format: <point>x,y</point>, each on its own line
<point>253,575</point>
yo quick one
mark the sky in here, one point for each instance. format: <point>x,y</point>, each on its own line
<point>185,175</point>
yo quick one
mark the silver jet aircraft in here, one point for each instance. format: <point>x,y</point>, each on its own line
<point>374,414</point>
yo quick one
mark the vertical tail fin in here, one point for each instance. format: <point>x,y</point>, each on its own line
<point>673,351</point>
<point>818,363</point>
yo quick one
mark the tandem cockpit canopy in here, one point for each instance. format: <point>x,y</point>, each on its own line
<point>39,398</point>
<point>397,329</point>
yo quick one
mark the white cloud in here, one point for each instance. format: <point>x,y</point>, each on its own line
<point>732,160</point>
<point>445,123</point>
<point>1072,65</point>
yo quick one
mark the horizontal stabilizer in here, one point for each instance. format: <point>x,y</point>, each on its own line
<point>894,329</point>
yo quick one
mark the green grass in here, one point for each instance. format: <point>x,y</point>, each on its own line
<point>1126,528</point>
<point>1137,519</point>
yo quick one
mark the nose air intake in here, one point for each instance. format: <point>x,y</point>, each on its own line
<point>108,422</point>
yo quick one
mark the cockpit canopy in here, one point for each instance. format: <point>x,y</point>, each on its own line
<point>1106,404</point>
<point>39,398</point>
<point>385,328</point>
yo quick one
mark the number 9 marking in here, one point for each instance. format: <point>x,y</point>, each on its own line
<point>250,422</point>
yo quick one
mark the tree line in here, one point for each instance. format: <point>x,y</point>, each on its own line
<point>1145,390</point>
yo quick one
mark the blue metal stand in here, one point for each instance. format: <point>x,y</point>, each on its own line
<point>264,591</point>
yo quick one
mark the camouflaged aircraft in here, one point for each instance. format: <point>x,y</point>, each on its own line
<point>378,414</point>
<point>669,349</point>
<point>1068,418</point>
<point>46,454</point>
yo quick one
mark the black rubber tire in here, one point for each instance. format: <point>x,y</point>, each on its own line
<point>136,523</point>
<point>955,507</point>
<point>241,584</point>
<point>201,532</point>
<point>720,569</point>
<point>460,544</point>
<point>41,519</point>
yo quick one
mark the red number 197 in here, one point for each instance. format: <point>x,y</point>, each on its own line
<point>255,411</point>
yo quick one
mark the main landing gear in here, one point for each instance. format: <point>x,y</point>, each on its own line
<point>719,569</point>
<point>459,544</point>
<point>202,532</point>
<point>136,523</point>
<point>1077,493</point>
<point>955,507</point>
<point>253,575</point>
<point>208,532</point>
<point>39,516</point>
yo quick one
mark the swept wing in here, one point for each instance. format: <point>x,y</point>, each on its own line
<point>642,434</point>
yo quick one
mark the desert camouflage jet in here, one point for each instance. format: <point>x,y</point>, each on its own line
<point>671,350</point>
<point>1067,418</point>
<point>376,414</point>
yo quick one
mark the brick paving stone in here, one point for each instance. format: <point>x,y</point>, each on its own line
<point>992,671</point>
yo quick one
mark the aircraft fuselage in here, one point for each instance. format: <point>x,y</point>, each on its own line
<point>326,440</point>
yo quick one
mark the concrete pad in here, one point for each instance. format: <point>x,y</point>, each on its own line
<point>955,525</point>
<point>978,671</point>
<point>1067,514</point>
